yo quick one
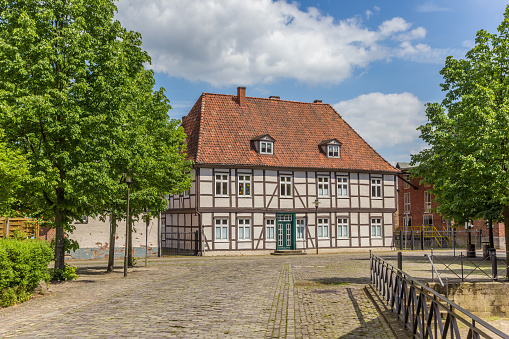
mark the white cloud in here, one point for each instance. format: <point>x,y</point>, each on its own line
<point>385,120</point>
<point>431,7</point>
<point>256,41</point>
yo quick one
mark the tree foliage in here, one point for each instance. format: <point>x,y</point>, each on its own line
<point>76,100</point>
<point>468,133</point>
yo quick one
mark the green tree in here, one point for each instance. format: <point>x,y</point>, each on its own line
<point>468,133</point>
<point>13,173</point>
<point>71,100</point>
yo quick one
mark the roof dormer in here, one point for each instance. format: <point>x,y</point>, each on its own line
<point>331,148</point>
<point>263,144</point>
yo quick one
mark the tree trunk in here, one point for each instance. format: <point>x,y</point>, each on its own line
<point>506,226</point>
<point>490,232</point>
<point>59,236</point>
<point>130,246</point>
<point>113,235</point>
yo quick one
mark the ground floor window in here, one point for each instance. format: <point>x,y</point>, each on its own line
<point>244,229</point>
<point>323,227</point>
<point>270,227</point>
<point>221,229</point>
<point>342,227</point>
<point>376,227</point>
<point>301,226</point>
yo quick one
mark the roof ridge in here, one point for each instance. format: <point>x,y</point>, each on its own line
<point>269,99</point>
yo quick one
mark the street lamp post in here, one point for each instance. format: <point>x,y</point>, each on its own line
<point>128,181</point>
<point>316,223</point>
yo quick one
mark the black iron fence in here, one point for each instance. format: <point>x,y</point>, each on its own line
<point>426,313</point>
<point>427,239</point>
<point>180,243</point>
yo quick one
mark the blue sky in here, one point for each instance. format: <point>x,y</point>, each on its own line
<point>376,62</point>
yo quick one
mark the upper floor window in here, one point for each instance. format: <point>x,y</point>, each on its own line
<point>221,185</point>
<point>406,180</point>
<point>333,151</point>
<point>285,186</point>
<point>323,186</point>
<point>186,193</point>
<point>343,186</point>
<point>407,202</point>
<point>244,185</point>
<point>266,147</point>
<point>376,227</point>
<point>301,227</point>
<point>427,201</point>
<point>376,188</point>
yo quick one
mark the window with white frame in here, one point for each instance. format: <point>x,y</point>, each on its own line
<point>406,180</point>
<point>244,185</point>
<point>342,227</point>
<point>406,198</point>
<point>301,228</point>
<point>376,188</point>
<point>376,227</point>
<point>428,220</point>
<point>266,147</point>
<point>285,183</point>
<point>244,229</point>
<point>323,227</point>
<point>221,229</point>
<point>221,185</point>
<point>270,229</point>
<point>186,193</point>
<point>343,186</point>
<point>323,186</point>
<point>427,201</point>
<point>333,151</point>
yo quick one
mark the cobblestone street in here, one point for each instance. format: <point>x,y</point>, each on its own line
<point>196,297</point>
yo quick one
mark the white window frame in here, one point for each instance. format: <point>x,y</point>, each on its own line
<point>224,182</point>
<point>300,229</point>
<point>243,226</point>
<point>270,229</point>
<point>245,185</point>
<point>333,151</point>
<point>343,228</point>
<point>186,193</point>
<point>342,186</point>
<point>376,188</point>
<point>407,178</point>
<point>285,183</point>
<point>323,183</point>
<point>429,217</point>
<point>427,201</point>
<point>266,147</point>
<point>406,201</point>
<point>376,227</point>
<point>323,228</point>
<point>221,229</point>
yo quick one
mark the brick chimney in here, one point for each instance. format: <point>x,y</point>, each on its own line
<point>241,96</point>
<point>275,97</point>
<point>317,101</point>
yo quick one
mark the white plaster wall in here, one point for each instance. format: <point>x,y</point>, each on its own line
<point>377,242</point>
<point>364,231</point>
<point>222,202</point>
<point>364,202</point>
<point>221,245</point>
<point>285,203</point>
<point>343,203</point>
<point>206,201</point>
<point>377,203</point>
<point>206,187</point>
<point>245,202</point>
<point>244,245</point>
<point>343,242</point>
<point>364,242</point>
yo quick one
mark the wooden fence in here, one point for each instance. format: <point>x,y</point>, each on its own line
<point>22,225</point>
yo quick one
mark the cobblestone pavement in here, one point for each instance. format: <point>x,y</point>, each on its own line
<point>215,297</point>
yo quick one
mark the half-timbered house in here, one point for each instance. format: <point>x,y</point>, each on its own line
<point>272,174</point>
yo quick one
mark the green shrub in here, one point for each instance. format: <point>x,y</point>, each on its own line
<point>68,273</point>
<point>23,264</point>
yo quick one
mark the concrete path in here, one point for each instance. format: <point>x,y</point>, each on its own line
<point>208,297</point>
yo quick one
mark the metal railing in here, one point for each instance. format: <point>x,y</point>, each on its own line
<point>426,313</point>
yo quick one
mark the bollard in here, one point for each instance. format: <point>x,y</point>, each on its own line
<point>493,255</point>
<point>400,240</point>
<point>400,261</point>
<point>178,242</point>
<point>422,240</point>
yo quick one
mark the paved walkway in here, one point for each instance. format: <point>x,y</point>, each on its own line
<point>215,297</point>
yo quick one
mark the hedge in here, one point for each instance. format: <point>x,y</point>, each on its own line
<point>23,264</point>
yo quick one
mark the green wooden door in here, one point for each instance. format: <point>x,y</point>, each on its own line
<point>286,231</point>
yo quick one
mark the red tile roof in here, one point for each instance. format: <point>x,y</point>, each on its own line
<point>220,132</point>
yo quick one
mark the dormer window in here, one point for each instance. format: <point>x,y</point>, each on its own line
<point>266,147</point>
<point>331,148</point>
<point>333,151</point>
<point>263,144</point>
